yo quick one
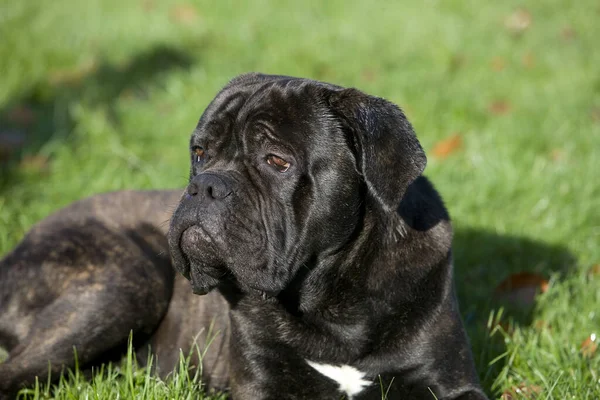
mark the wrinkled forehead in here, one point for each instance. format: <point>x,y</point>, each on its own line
<point>292,110</point>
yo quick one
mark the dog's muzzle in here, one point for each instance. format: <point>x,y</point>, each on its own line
<point>203,200</point>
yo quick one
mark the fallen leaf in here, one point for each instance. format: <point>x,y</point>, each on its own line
<point>528,60</point>
<point>35,163</point>
<point>521,288</point>
<point>447,146</point>
<point>148,5</point>
<point>518,22</point>
<point>72,76</point>
<point>499,107</point>
<point>522,391</point>
<point>557,155</point>
<point>368,74</point>
<point>21,115</point>
<point>498,64</point>
<point>596,114</point>
<point>165,108</point>
<point>184,14</point>
<point>595,270</point>
<point>127,94</point>
<point>567,33</point>
<point>542,325</point>
<point>589,345</point>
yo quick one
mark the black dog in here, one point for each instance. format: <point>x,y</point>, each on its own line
<point>306,209</point>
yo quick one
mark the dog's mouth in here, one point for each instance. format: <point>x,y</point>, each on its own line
<point>198,257</point>
<point>194,259</point>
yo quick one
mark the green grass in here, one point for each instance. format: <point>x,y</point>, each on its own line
<point>127,380</point>
<point>115,88</point>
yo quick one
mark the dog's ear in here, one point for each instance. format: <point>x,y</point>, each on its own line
<point>388,152</point>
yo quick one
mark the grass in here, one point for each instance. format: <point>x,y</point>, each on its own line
<point>105,93</point>
<point>127,381</point>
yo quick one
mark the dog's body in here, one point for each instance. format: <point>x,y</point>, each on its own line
<point>88,275</point>
<point>308,222</point>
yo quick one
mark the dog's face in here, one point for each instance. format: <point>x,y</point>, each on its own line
<point>281,171</point>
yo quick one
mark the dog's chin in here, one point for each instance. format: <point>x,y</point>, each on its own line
<point>200,263</point>
<point>201,282</point>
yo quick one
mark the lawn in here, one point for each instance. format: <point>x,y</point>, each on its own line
<point>504,96</point>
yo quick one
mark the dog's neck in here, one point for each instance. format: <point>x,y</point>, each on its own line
<point>350,266</point>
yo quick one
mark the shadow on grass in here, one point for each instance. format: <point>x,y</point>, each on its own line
<point>482,261</point>
<point>42,112</point>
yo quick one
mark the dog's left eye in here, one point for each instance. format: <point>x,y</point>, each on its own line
<point>278,163</point>
<point>198,154</point>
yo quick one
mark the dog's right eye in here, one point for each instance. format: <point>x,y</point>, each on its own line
<point>198,154</point>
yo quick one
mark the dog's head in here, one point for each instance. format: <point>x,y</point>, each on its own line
<point>281,170</point>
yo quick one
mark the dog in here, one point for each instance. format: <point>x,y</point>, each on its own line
<point>307,209</point>
<point>310,239</point>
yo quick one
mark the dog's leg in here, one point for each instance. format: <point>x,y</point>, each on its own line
<point>77,320</point>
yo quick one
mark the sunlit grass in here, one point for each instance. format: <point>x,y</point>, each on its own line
<point>126,380</point>
<point>115,87</point>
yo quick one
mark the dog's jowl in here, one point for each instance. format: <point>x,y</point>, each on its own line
<point>312,244</point>
<point>307,210</point>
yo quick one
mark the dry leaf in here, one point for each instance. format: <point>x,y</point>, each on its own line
<point>72,76</point>
<point>528,60</point>
<point>542,325</point>
<point>35,163</point>
<point>596,114</point>
<point>498,64</point>
<point>567,33</point>
<point>499,107</point>
<point>447,146</point>
<point>595,270</point>
<point>521,288</point>
<point>518,22</point>
<point>165,108</point>
<point>589,345</point>
<point>522,391</point>
<point>368,74</point>
<point>184,14</point>
<point>148,5</point>
<point>557,155</point>
<point>21,115</point>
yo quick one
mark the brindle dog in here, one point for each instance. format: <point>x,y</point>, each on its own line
<point>322,253</point>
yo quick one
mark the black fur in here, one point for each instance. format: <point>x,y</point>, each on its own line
<point>342,259</point>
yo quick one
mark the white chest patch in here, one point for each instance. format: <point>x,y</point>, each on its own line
<point>350,379</point>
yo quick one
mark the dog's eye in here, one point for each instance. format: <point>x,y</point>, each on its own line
<point>278,163</point>
<point>198,154</point>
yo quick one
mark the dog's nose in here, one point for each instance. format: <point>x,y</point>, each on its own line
<point>209,187</point>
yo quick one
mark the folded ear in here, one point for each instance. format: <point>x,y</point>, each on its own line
<point>388,152</point>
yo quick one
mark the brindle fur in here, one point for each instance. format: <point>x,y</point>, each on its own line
<point>87,276</point>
